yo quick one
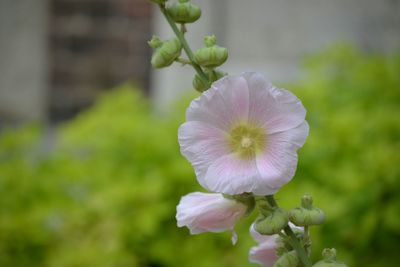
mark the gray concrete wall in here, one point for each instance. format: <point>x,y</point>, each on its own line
<point>23,62</point>
<point>272,36</point>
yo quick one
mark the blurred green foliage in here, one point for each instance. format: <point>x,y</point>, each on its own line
<point>105,194</point>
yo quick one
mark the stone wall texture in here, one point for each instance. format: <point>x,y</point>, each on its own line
<point>95,45</point>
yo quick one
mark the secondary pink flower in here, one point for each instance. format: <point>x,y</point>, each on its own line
<point>205,212</point>
<point>265,253</point>
<point>242,135</point>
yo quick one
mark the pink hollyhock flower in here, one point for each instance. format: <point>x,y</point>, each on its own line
<point>265,253</point>
<point>205,212</point>
<point>242,135</point>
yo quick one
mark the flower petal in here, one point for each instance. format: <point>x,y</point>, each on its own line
<point>278,164</point>
<point>202,144</point>
<point>231,175</point>
<point>206,212</point>
<point>265,253</point>
<point>259,237</point>
<point>224,104</point>
<point>275,109</point>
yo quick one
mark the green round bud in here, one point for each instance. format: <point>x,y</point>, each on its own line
<point>307,202</point>
<point>210,40</point>
<point>165,52</point>
<point>306,215</point>
<point>184,12</point>
<point>273,223</point>
<point>155,42</point>
<point>329,255</point>
<point>215,74</point>
<point>289,259</point>
<point>199,84</point>
<point>220,74</point>
<point>212,55</point>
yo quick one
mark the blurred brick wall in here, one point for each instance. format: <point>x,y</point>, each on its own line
<point>95,45</point>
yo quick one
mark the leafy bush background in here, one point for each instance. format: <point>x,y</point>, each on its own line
<point>106,194</point>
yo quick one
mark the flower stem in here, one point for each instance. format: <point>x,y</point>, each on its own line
<point>307,239</point>
<point>301,252</point>
<point>184,43</point>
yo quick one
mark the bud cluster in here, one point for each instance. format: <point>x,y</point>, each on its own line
<point>205,60</point>
<point>292,226</point>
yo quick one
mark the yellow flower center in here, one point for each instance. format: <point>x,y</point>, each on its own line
<point>247,140</point>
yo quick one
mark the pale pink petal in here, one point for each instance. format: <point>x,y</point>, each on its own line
<point>202,144</point>
<point>259,237</point>
<point>296,136</point>
<point>265,253</point>
<point>231,175</point>
<point>205,212</point>
<point>278,164</point>
<point>256,81</point>
<point>224,104</point>
<point>275,109</point>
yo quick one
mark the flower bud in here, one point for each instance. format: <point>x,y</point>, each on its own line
<point>306,214</point>
<point>210,212</point>
<point>201,85</point>
<point>212,55</point>
<point>329,255</point>
<point>184,12</point>
<point>273,223</point>
<point>165,53</point>
<point>215,75</point>
<point>289,259</point>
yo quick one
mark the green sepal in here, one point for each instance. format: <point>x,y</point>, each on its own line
<point>329,255</point>
<point>200,85</point>
<point>273,223</point>
<point>306,215</point>
<point>165,53</point>
<point>212,55</point>
<point>289,259</point>
<point>184,12</point>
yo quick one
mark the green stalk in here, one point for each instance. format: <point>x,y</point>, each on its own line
<point>184,43</point>
<point>301,252</point>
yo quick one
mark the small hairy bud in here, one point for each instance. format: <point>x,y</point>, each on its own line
<point>212,55</point>
<point>184,12</point>
<point>165,53</point>
<point>289,259</point>
<point>306,215</point>
<point>329,255</point>
<point>272,224</point>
